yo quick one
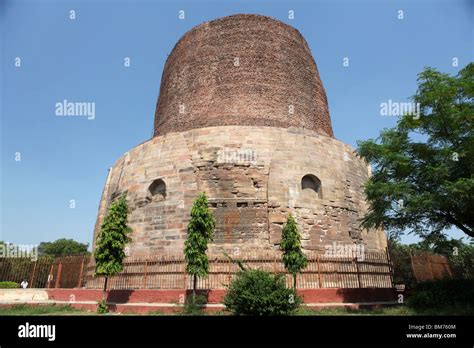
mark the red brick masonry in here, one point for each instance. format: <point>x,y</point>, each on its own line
<point>241,70</point>
<point>216,296</point>
<point>141,301</point>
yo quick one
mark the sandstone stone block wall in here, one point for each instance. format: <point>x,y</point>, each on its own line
<point>252,177</point>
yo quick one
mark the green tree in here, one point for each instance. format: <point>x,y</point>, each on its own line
<point>62,247</point>
<point>109,252</point>
<point>462,261</point>
<point>293,257</point>
<point>200,233</point>
<point>459,254</point>
<point>400,255</point>
<point>423,176</point>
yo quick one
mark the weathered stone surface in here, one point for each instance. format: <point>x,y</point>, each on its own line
<point>191,162</point>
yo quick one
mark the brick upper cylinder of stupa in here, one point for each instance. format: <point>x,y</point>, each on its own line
<point>247,70</point>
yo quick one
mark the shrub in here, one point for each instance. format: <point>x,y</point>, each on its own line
<point>193,304</point>
<point>443,293</point>
<point>102,307</point>
<point>462,262</point>
<point>9,285</point>
<point>256,292</point>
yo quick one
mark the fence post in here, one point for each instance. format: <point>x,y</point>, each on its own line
<point>146,268</point>
<point>319,272</point>
<point>275,263</point>
<point>390,266</point>
<point>231,268</point>
<point>183,263</point>
<point>58,275</point>
<point>79,281</point>
<point>33,275</point>
<point>50,275</point>
<point>358,273</point>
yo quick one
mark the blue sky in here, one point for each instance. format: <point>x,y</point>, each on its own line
<point>64,159</point>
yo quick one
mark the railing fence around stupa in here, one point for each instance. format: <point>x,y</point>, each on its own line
<point>168,271</point>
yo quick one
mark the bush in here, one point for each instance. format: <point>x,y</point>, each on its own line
<point>443,293</point>
<point>462,262</point>
<point>256,292</point>
<point>9,285</point>
<point>102,307</point>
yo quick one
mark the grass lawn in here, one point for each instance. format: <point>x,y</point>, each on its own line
<point>25,309</point>
<point>402,310</point>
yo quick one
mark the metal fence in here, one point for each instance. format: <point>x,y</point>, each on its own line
<point>169,271</point>
<point>46,272</point>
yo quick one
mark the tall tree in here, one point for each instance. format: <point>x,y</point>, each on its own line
<point>293,257</point>
<point>423,177</point>
<point>110,248</point>
<point>200,233</point>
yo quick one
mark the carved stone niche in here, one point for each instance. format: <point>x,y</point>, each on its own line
<point>156,192</point>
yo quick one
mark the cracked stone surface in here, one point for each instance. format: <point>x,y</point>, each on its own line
<point>250,194</point>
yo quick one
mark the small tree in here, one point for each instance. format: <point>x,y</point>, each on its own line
<point>293,257</point>
<point>109,252</point>
<point>200,233</point>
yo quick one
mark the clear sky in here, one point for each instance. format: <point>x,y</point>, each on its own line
<point>66,158</point>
